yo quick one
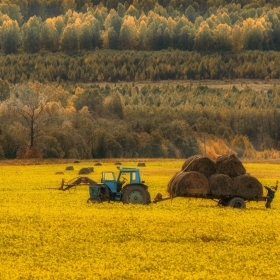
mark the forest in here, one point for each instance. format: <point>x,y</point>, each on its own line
<point>79,79</point>
<point>33,26</point>
<point>128,120</point>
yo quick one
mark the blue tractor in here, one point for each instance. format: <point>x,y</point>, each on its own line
<point>126,187</point>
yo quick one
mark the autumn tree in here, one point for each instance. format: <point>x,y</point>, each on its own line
<point>91,98</point>
<point>50,35</point>
<point>12,11</point>
<point>86,35</point>
<point>53,8</point>
<point>111,33</point>
<point>203,40</point>
<point>255,34</point>
<point>190,13</point>
<point>132,11</point>
<point>222,37</point>
<point>29,103</point>
<point>10,35</point>
<point>143,39</point>
<point>237,42</point>
<point>32,34</point>
<point>69,5</point>
<point>4,90</point>
<point>114,105</point>
<point>129,34</point>
<point>69,40</point>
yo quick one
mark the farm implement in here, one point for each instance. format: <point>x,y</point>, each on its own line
<point>127,187</point>
<point>231,201</point>
<point>224,179</point>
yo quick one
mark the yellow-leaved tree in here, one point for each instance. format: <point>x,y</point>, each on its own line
<point>129,34</point>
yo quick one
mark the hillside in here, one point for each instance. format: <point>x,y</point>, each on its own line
<point>168,119</point>
<point>139,79</point>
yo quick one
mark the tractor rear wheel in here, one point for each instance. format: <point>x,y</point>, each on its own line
<point>136,195</point>
<point>94,200</point>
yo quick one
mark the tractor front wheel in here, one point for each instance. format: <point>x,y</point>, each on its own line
<point>136,195</point>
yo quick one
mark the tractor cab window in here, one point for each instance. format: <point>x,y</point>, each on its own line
<point>109,176</point>
<point>133,176</point>
<point>124,177</point>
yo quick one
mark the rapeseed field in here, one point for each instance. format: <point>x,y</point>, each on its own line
<point>49,234</point>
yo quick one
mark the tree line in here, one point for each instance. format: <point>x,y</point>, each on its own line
<point>72,26</point>
<point>127,120</point>
<point>115,66</point>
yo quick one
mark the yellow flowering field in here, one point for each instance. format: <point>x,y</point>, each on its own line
<point>49,234</point>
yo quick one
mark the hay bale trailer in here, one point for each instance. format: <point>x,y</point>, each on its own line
<point>227,191</point>
<point>222,200</point>
<point>223,179</point>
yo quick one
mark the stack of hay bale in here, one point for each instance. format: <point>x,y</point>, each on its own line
<point>223,177</point>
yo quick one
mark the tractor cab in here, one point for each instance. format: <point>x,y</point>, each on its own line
<point>125,176</point>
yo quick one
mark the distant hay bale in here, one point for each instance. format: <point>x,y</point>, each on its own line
<point>141,164</point>
<point>59,172</point>
<point>97,164</point>
<point>248,187</point>
<point>230,165</point>
<point>118,163</point>
<point>191,183</point>
<point>69,168</point>
<point>84,171</point>
<point>204,165</point>
<point>221,185</point>
<point>76,161</point>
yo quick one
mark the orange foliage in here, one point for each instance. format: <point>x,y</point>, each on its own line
<point>32,152</point>
<point>214,148</point>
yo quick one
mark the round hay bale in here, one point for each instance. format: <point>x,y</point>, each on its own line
<point>248,187</point>
<point>204,165</point>
<point>84,171</point>
<point>221,185</point>
<point>118,163</point>
<point>59,172</point>
<point>97,164</point>
<point>69,168</point>
<point>141,164</point>
<point>188,161</point>
<point>172,182</point>
<point>189,184</point>
<point>230,165</point>
<point>76,161</point>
